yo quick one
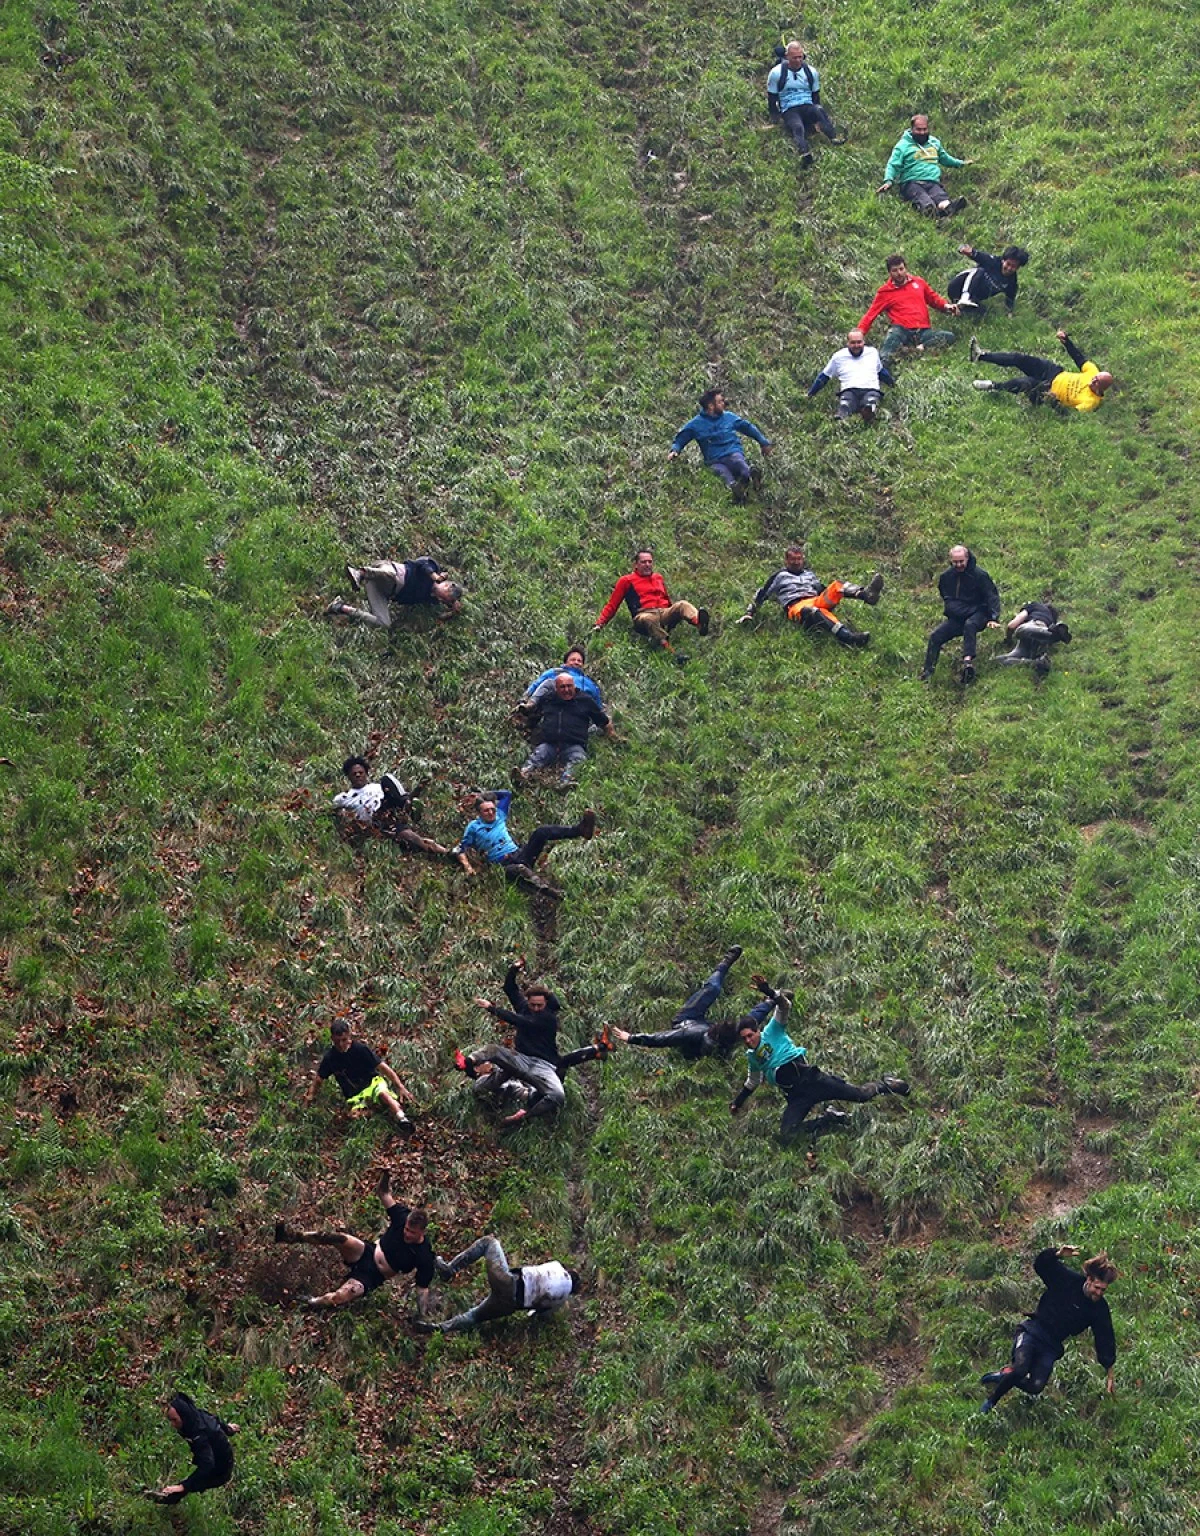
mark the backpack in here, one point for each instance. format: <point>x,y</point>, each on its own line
<point>785,68</point>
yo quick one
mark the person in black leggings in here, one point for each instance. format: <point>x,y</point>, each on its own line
<point>690,1032</point>
<point>489,834</point>
<point>1070,1304</point>
<point>1039,377</point>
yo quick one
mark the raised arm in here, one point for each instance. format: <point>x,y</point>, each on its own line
<point>1072,350</point>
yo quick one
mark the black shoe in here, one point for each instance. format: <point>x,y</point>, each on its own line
<point>840,135</point>
<point>731,956</point>
<point>990,1378</point>
<point>924,675</point>
<point>739,491</point>
<point>806,159</point>
<point>1042,665</point>
<point>680,659</point>
<point>756,477</point>
<point>445,1270</point>
<point>285,1233</point>
<point>384,1186</point>
<point>873,588</point>
<point>889,1084</point>
<point>702,621</point>
<point>587,824</point>
<point>955,205</point>
<point>853,637</point>
<point>968,672</point>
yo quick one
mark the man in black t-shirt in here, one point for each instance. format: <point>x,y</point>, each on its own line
<point>362,1077</point>
<point>402,1248</point>
<point>1035,627</point>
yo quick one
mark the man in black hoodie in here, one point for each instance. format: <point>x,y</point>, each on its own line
<point>689,1032</point>
<point>208,1437</point>
<point>1071,1303</point>
<point>534,1055</point>
<point>563,721</point>
<point>970,602</point>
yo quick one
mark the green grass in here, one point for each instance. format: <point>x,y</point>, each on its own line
<point>287,284</point>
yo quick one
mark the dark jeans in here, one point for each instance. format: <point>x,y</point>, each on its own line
<point>804,1087</point>
<point>731,469</point>
<point>1033,1359</point>
<point>1036,373</point>
<point>851,402</point>
<point>968,628</point>
<point>530,850</point>
<point>546,754</point>
<point>924,195</point>
<point>797,121</point>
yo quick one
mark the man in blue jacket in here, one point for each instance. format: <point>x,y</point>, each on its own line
<point>716,430</point>
<point>794,99</point>
<point>970,603</point>
<point>773,1054</point>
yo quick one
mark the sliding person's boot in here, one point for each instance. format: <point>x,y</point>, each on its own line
<point>890,1084</point>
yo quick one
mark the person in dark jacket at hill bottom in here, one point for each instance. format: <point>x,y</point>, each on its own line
<point>717,431</point>
<point>402,1248</point>
<point>1035,627</point>
<point>690,1032</point>
<point>644,593</point>
<point>407,583</point>
<point>806,599</point>
<point>563,721</point>
<point>208,1438</point>
<point>772,1053</point>
<point>970,602</point>
<point>1070,1304</point>
<point>989,276</point>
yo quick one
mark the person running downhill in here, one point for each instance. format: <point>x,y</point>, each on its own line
<point>402,1248</point>
<point>717,431</point>
<point>539,1289</point>
<point>212,1455</point>
<point>644,593</point>
<point>1071,1303</point>
<point>915,166</point>
<point>690,1032</point>
<point>1039,377</point>
<point>362,1076</point>
<point>806,599</point>
<point>489,834</point>
<point>773,1054</point>
<point>970,603</point>
<point>905,299</point>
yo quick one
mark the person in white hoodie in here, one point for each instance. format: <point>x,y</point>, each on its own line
<point>537,1289</point>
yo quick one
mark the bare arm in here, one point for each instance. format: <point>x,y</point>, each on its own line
<point>389,1073</point>
<point>314,1088</point>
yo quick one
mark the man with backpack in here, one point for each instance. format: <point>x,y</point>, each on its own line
<point>794,101</point>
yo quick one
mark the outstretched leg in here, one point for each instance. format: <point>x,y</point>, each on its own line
<point>1033,1361</point>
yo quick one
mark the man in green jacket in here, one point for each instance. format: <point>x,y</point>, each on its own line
<point>916,168</point>
<point>773,1054</point>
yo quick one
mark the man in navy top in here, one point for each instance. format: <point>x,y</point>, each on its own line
<point>717,431</point>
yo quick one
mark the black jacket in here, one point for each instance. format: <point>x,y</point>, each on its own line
<point>207,1436</point>
<point>693,1038</point>
<point>970,591</point>
<point>1064,1310</point>
<point>994,279</point>
<point>565,722</point>
<point>535,1034</point>
<point>419,576</point>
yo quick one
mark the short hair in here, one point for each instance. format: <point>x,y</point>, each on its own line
<point>482,800</point>
<point>536,989</point>
<point>747,1021</point>
<point>895,260</point>
<point>574,650</point>
<point>418,1219</point>
<point>707,398</point>
<point>454,595</point>
<point>645,550</point>
<point>576,1282</point>
<point>1015,253</point>
<point>795,549</point>
<point>1101,1267</point>
<point>352,761</point>
<point>339,1027</point>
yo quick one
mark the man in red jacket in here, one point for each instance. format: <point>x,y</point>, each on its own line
<point>905,300</point>
<point>645,594</point>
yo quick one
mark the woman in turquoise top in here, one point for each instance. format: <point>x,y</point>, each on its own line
<point>772,1053</point>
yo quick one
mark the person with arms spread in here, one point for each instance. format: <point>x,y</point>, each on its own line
<point>905,299</point>
<point>362,1077</point>
<point>717,430</point>
<point>488,834</point>
<point>644,593</point>
<point>1040,378</point>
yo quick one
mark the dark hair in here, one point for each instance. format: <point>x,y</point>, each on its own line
<point>1015,253</point>
<point>795,549</point>
<point>575,1280</point>
<point>536,989</point>
<point>482,800</point>
<point>574,650</point>
<point>645,550</point>
<point>350,763</point>
<point>453,596</point>
<point>707,398</point>
<point>724,1036</point>
<point>1101,1268</point>
<point>339,1027</point>
<point>895,260</point>
<point>418,1219</point>
<point>745,1022</point>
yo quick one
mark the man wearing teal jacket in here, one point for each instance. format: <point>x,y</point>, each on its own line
<point>916,169</point>
<point>773,1054</point>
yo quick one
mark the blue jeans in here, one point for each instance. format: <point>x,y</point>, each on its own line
<point>731,469</point>
<point>546,755</point>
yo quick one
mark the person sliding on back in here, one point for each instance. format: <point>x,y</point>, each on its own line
<point>690,1032</point>
<point>644,593</point>
<point>1040,378</point>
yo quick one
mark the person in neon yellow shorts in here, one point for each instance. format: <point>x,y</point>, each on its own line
<point>362,1077</point>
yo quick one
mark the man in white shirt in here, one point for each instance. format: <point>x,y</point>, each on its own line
<point>859,372</point>
<point>538,1289</point>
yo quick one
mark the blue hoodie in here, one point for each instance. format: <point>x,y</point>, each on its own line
<point>717,435</point>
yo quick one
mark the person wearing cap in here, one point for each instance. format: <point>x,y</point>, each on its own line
<point>403,583</point>
<point>861,374</point>
<point>208,1440</point>
<point>1040,378</point>
<point>402,1248</point>
<point>773,1054</point>
<point>362,1076</point>
<point>538,1289</point>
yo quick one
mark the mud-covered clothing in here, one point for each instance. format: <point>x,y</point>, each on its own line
<point>353,1069</point>
<point>207,1438</point>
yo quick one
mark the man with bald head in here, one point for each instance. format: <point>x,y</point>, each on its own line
<point>794,100</point>
<point>1039,377</point>
<point>859,372</point>
<point>563,720</point>
<point>970,603</point>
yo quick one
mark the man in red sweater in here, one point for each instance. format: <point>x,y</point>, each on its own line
<point>905,300</point>
<point>645,594</point>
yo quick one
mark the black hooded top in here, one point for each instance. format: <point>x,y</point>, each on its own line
<point>208,1437</point>
<point>535,1034</point>
<point>967,592</point>
<point>1065,1310</point>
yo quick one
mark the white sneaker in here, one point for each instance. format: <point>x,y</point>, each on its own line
<point>983,384</point>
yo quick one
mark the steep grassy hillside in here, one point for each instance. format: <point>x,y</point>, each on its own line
<point>287,283</point>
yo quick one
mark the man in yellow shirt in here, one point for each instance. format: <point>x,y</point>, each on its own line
<point>1039,377</point>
